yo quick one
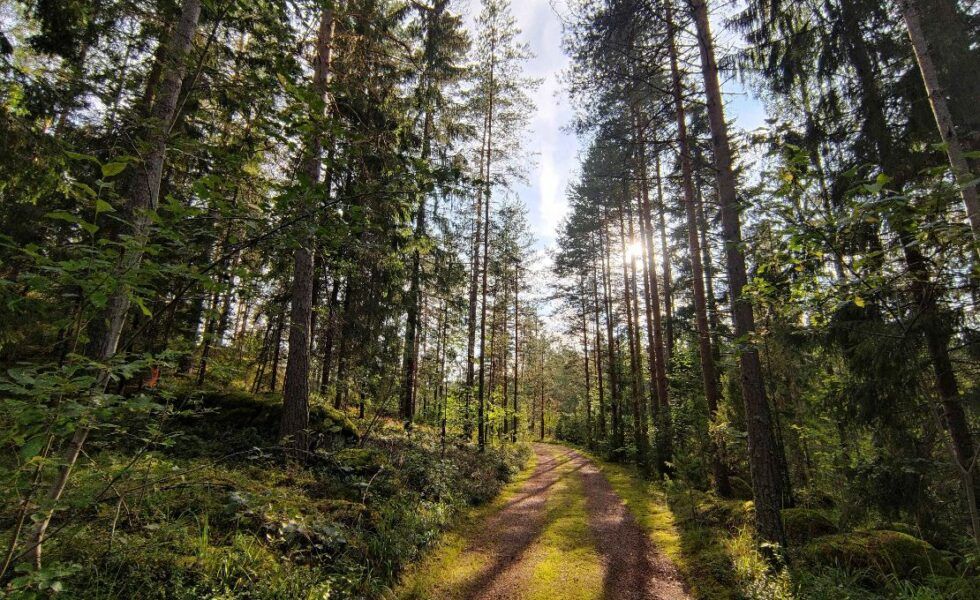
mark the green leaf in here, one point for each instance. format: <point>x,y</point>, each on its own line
<point>32,447</point>
<point>80,156</point>
<point>113,168</point>
<point>139,302</point>
<point>102,206</point>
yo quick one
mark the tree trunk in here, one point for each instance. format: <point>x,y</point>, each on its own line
<point>766,485</point>
<point>517,322</point>
<point>481,408</point>
<point>144,194</point>
<point>585,357</point>
<point>330,328</point>
<point>668,277</point>
<point>940,110</point>
<point>296,388</point>
<point>629,294</point>
<point>655,336</point>
<point>709,376</point>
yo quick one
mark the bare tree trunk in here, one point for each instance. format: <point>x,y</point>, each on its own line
<point>598,351</point>
<point>481,408</point>
<point>668,277</point>
<point>517,322</point>
<point>655,336</point>
<point>629,294</point>
<point>585,357</point>
<point>766,484</point>
<point>940,110</point>
<point>330,329</point>
<point>277,348</point>
<point>144,195</point>
<point>474,283</point>
<point>709,375</point>
<point>716,448</point>
<point>615,390</point>
<point>410,360</point>
<point>296,388</point>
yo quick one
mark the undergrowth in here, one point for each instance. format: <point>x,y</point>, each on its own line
<point>218,512</point>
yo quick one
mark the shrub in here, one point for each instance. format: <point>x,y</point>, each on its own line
<point>881,554</point>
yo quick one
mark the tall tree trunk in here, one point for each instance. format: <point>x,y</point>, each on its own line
<point>517,322</point>
<point>474,287</point>
<point>597,354</point>
<point>144,195</point>
<point>629,294</point>
<point>585,357</point>
<point>615,389</point>
<point>716,448</point>
<point>709,375</point>
<point>766,484</point>
<point>328,335</point>
<point>411,353</point>
<point>655,336</point>
<point>668,277</point>
<point>940,110</point>
<point>481,408</point>
<point>296,388</point>
<point>924,291</point>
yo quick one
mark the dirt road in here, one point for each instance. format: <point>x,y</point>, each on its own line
<point>564,533</point>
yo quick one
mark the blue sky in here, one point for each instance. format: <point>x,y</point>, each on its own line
<point>554,151</point>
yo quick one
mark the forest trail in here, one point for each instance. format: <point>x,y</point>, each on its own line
<point>563,532</point>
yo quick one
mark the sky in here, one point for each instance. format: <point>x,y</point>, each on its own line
<point>553,149</point>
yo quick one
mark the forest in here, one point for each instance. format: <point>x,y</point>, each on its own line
<point>278,319</point>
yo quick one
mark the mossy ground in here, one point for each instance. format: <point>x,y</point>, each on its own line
<point>448,566</point>
<point>217,511</point>
<point>710,541</point>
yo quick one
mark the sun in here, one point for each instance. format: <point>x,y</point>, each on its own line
<point>634,250</point>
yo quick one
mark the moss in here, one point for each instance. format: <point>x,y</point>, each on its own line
<point>880,554</point>
<point>449,566</point>
<point>360,461</point>
<point>741,489</point>
<point>564,557</point>
<point>229,409</point>
<point>805,524</point>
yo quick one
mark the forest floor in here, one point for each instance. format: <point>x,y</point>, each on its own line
<point>560,531</point>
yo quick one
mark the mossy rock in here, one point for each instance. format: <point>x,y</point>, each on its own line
<point>741,489</point>
<point>805,524</point>
<point>901,528</point>
<point>328,420</point>
<point>360,461</point>
<point>236,410</point>
<point>879,553</point>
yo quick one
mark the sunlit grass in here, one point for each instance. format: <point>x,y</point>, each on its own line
<point>449,566</point>
<point>564,557</point>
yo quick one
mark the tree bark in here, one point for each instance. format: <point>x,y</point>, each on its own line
<point>144,195</point>
<point>766,484</point>
<point>296,388</point>
<point>941,112</point>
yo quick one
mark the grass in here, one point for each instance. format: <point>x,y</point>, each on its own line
<point>211,516</point>
<point>448,566</point>
<point>563,556</point>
